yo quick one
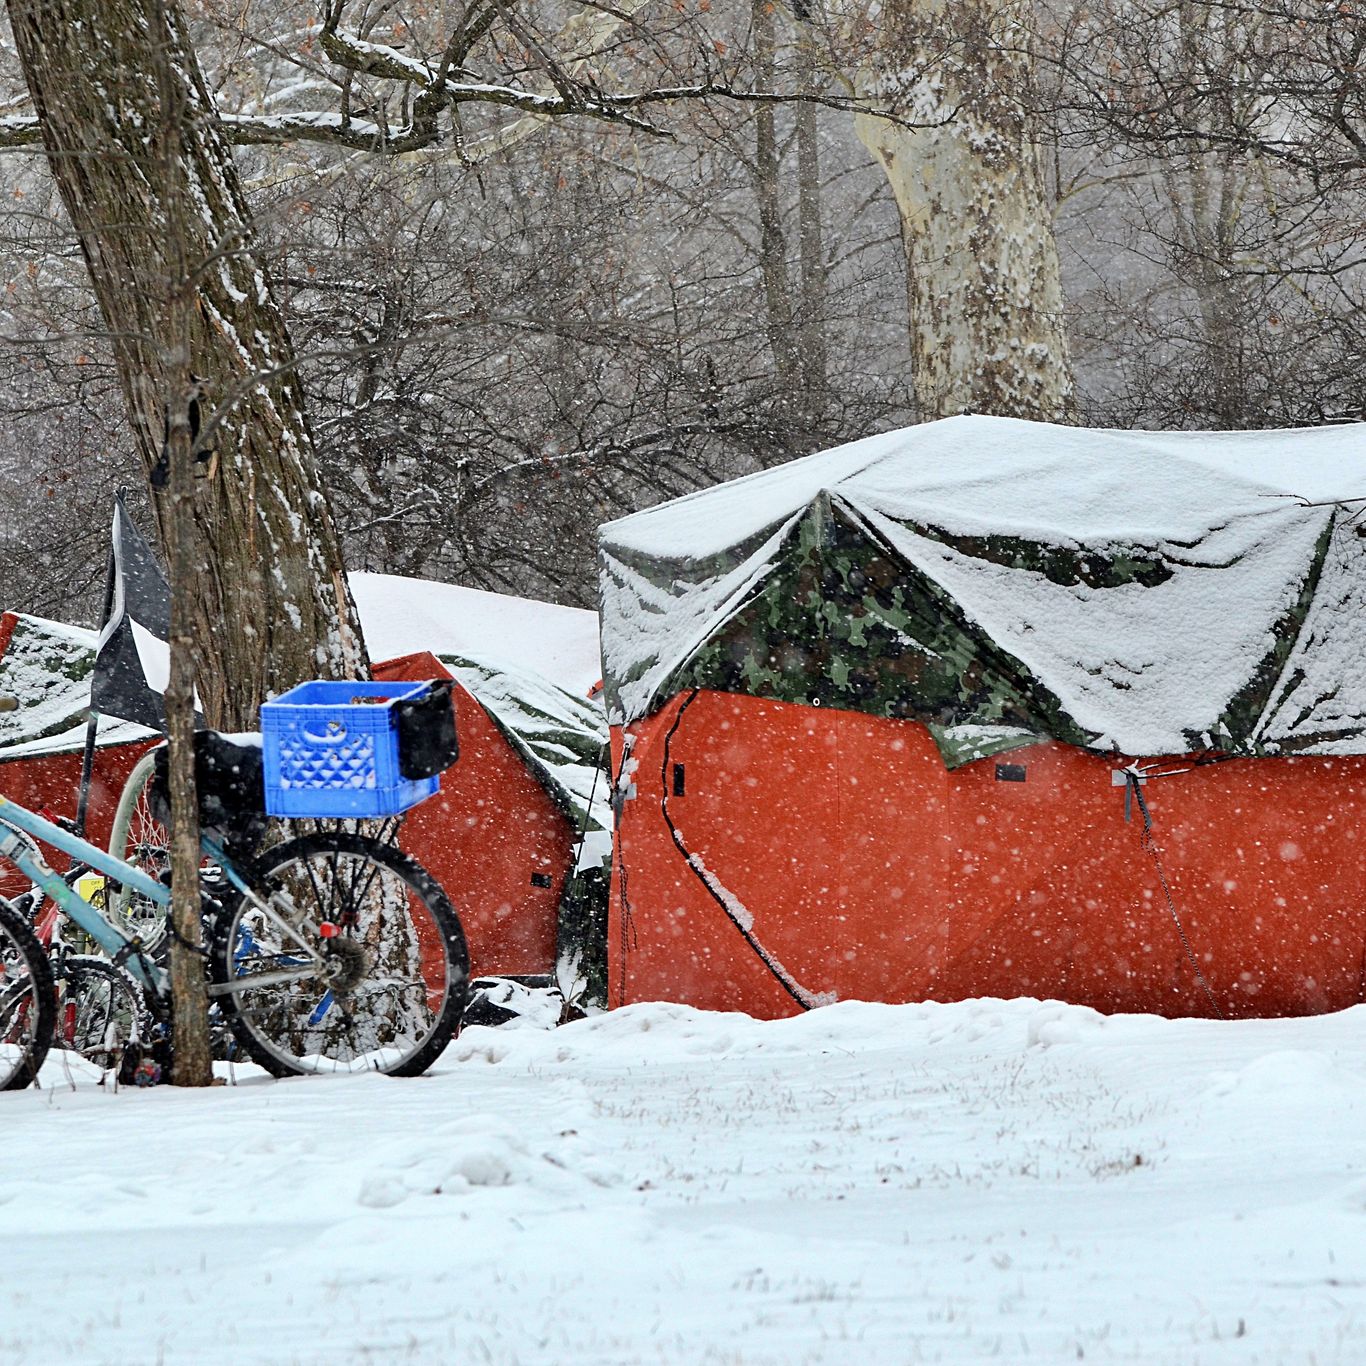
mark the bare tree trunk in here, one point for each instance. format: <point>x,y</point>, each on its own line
<point>1206,189</point>
<point>270,602</point>
<point>986,305</point>
<point>782,336</point>
<point>192,1062</point>
<point>810,228</point>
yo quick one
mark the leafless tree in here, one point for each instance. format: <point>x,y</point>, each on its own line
<point>271,601</point>
<point>1210,157</point>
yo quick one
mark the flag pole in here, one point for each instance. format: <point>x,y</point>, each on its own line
<point>92,723</point>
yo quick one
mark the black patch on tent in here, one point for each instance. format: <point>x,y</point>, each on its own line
<point>119,685</point>
<point>1010,773</point>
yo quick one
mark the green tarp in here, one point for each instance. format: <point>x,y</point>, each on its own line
<point>46,668</point>
<point>1004,581</point>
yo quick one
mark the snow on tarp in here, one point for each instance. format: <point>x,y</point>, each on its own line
<point>46,668</point>
<point>561,738</point>
<point>1002,580</point>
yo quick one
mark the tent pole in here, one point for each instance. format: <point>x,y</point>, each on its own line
<point>92,723</point>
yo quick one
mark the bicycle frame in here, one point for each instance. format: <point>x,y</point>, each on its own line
<point>78,910</point>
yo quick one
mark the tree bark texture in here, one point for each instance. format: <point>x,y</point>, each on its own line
<point>192,1058</point>
<point>270,602</point>
<point>987,333</point>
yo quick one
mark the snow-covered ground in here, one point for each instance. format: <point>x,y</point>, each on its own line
<point>1011,1181</point>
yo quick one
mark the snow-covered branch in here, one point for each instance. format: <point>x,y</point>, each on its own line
<point>20,130</point>
<point>419,133</point>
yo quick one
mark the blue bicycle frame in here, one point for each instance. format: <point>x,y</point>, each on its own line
<point>76,908</point>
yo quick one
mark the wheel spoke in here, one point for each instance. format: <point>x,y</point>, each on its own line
<point>102,1010</point>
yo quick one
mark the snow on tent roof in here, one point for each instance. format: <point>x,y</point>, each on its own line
<point>401,616</point>
<point>1001,580</point>
<point>531,665</point>
<point>46,667</point>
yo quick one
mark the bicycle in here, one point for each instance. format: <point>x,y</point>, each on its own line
<point>331,951</point>
<point>101,1010</point>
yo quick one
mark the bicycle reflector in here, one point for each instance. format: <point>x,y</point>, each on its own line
<point>90,887</point>
<point>329,930</point>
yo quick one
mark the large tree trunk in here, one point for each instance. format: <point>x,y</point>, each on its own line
<point>271,605</point>
<point>986,304</point>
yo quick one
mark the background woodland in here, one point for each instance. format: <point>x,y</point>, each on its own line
<point>1120,213</point>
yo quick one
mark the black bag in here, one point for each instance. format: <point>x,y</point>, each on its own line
<point>427,743</point>
<point>229,775</point>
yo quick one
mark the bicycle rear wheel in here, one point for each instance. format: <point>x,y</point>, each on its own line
<point>348,957</point>
<point>28,1001</point>
<point>101,1010</point>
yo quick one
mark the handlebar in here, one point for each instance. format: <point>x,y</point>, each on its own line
<point>8,703</point>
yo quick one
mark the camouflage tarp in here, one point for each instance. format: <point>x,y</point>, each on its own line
<point>1005,581</point>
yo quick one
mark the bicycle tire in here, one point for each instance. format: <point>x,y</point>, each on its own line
<point>378,956</point>
<point>28,1001</point>
<point>138,838</point>
<point>101,1010</point>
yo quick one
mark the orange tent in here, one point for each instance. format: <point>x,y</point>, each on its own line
<point>492,837</point>
<point>972,710</point>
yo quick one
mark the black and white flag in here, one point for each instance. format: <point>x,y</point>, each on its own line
<point>132,660</point>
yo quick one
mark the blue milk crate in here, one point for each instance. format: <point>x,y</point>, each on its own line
<point>329,754</point>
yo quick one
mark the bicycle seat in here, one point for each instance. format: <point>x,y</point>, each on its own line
<point>229,774</point>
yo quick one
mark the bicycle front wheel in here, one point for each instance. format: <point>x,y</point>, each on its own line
<point>346,957</point>
<point>28,1001</point>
